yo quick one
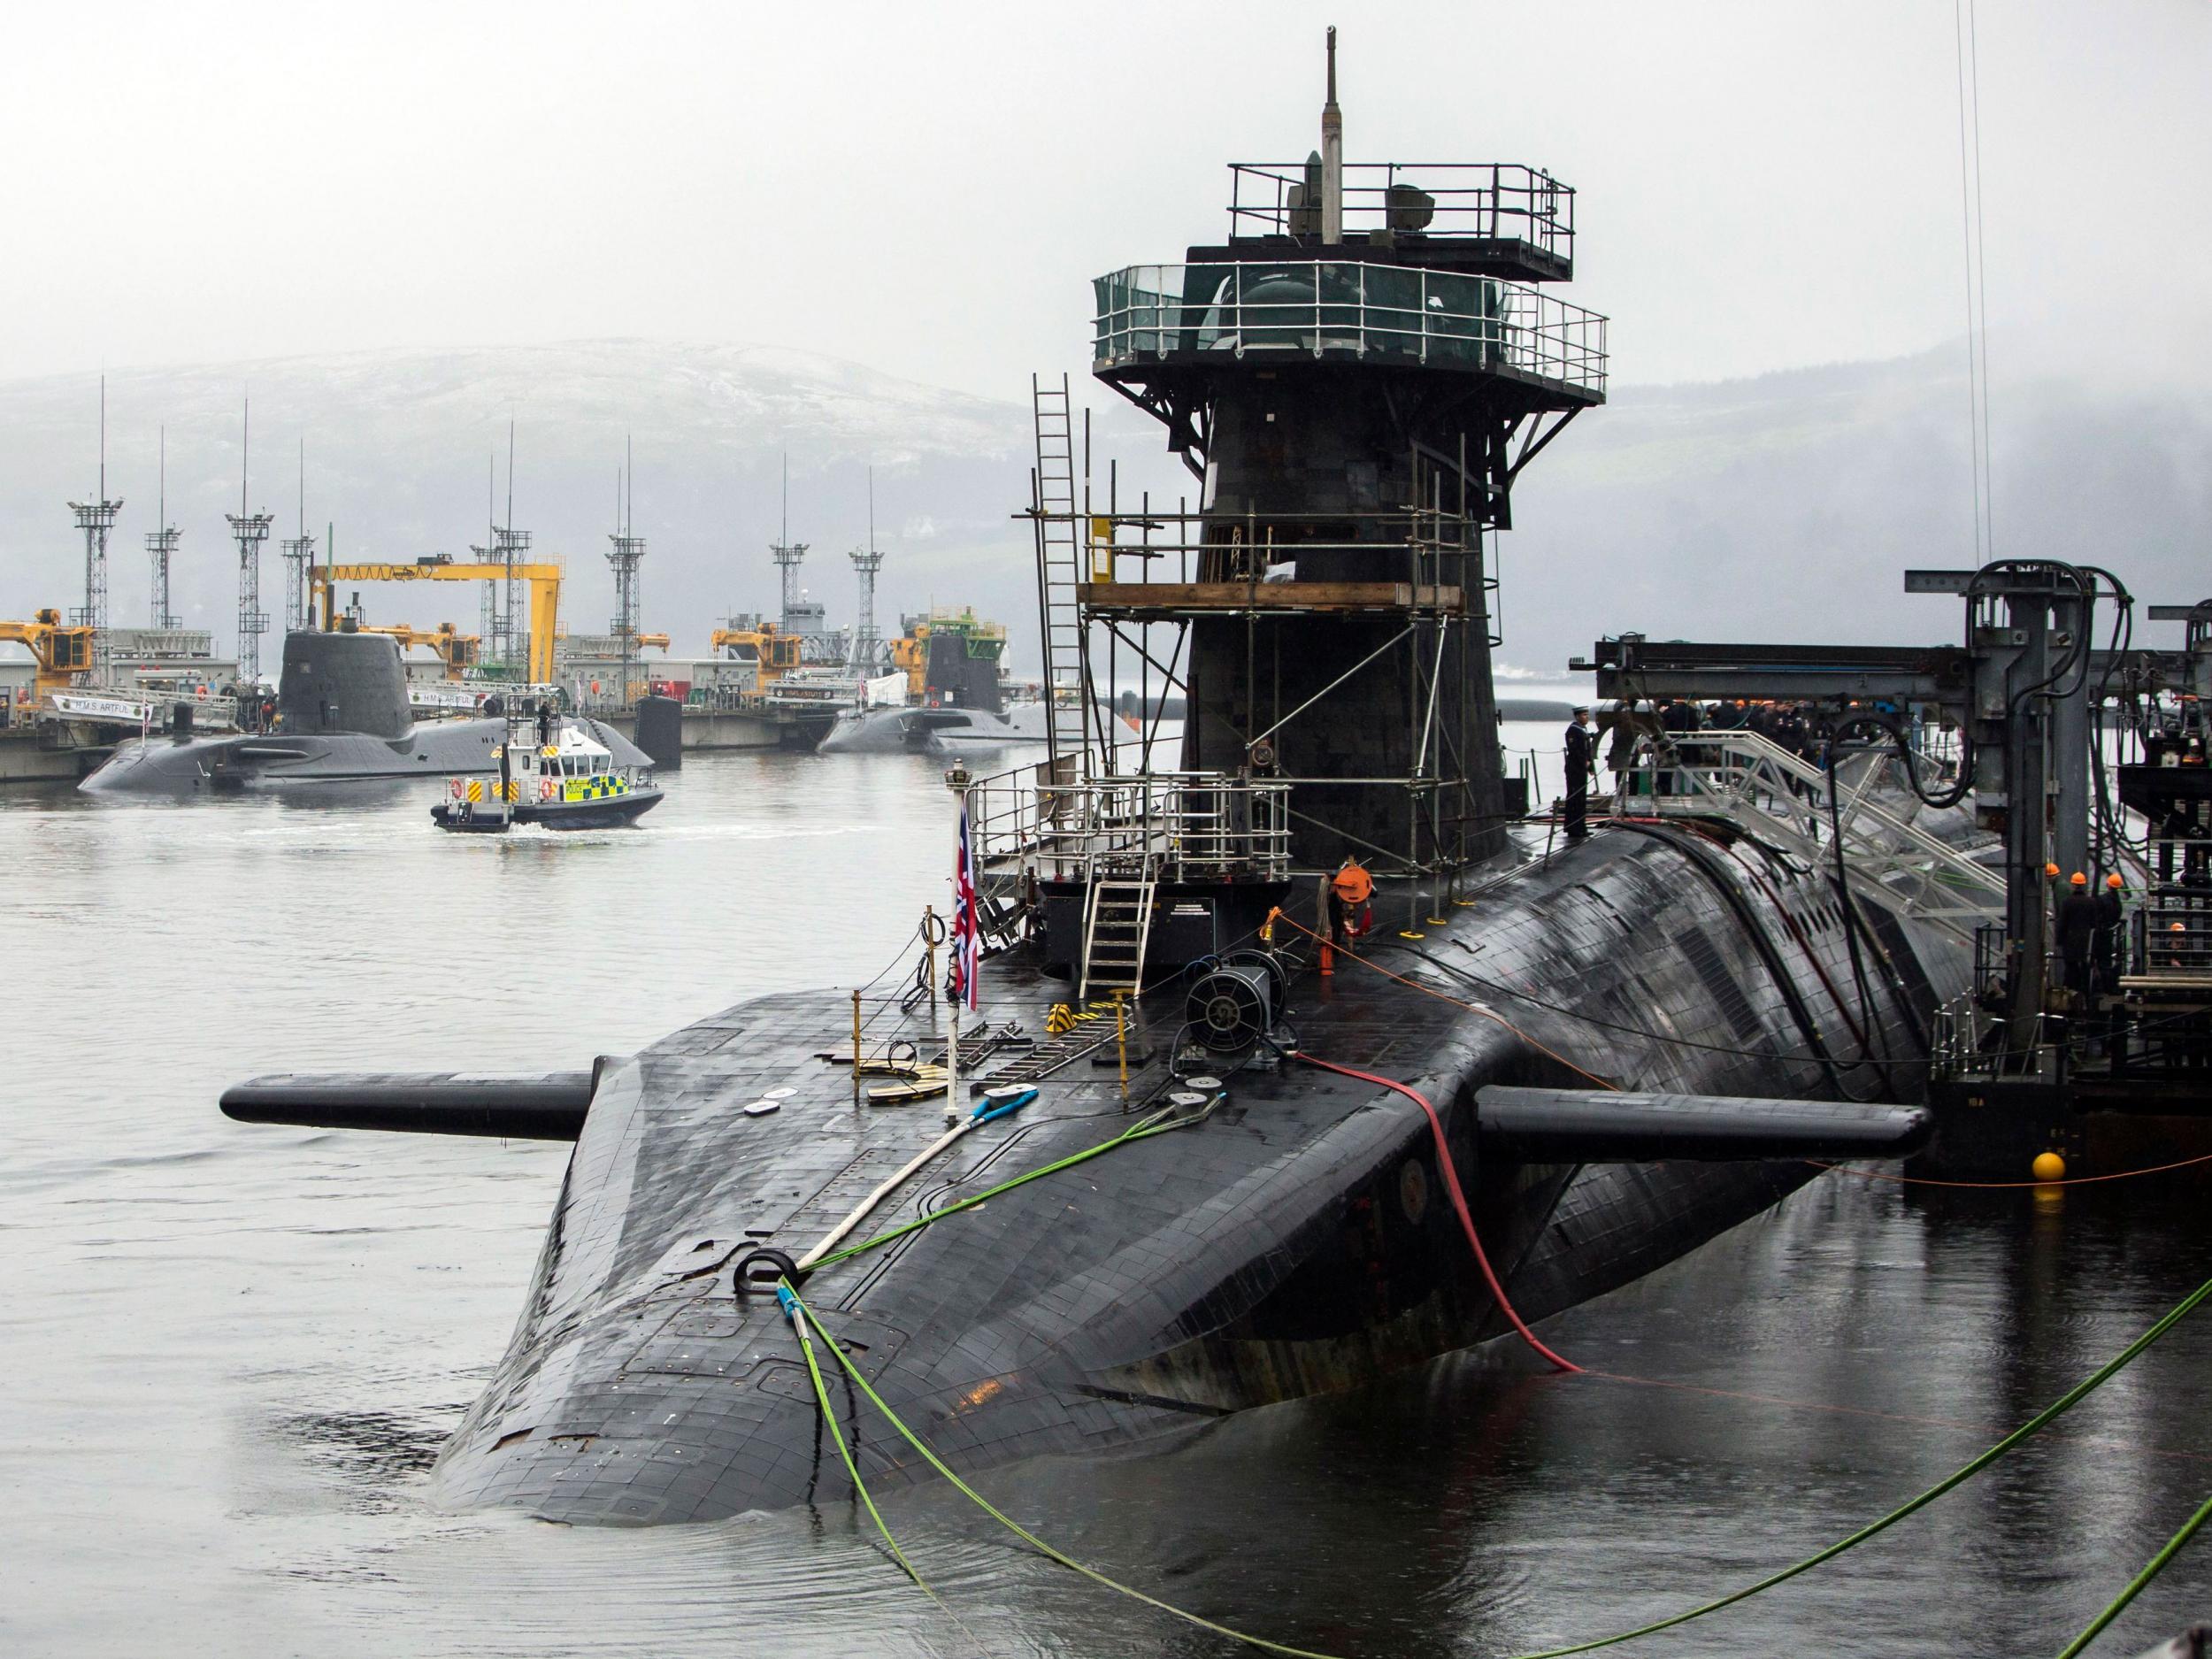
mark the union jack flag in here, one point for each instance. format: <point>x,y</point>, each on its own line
<point>967,931</point>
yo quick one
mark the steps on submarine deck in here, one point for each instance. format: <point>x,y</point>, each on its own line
<point>1117,923</point>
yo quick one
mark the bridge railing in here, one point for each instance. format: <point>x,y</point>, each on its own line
<point>1182,826</point>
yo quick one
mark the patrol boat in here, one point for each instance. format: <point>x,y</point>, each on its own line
<point>566,779</point>
<point>1536,1078</point>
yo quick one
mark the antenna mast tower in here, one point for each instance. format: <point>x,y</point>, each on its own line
<point>788,554</point>
<point>161,546</point>
<point>250,530</point>
<point>866,563</point>
<point>507,545</point>
<point>299,553</point>
<point>95,518</point>
<point>626,555</point>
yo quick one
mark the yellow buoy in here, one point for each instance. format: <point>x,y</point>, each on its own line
<point>2049,1166</point>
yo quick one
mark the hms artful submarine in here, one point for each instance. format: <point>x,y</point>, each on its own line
<point>342,716</point>
<point>1631,1044</point>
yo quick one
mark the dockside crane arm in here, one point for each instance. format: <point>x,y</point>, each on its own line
<point>545,593</point>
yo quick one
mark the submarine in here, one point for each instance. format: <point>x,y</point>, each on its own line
<point>342,716</point>
<point>1242,1141</point>
<point>960,704</point>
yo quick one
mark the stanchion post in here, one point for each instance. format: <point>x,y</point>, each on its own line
<point>1121,1040</point>
<point>855,1046</point>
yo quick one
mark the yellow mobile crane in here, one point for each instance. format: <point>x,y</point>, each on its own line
<point>64,652</point>
<point>771,654</point>
<point>545,593</point>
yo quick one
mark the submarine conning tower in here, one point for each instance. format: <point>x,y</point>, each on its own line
<point>343,682</point>
<point>1356,376</point>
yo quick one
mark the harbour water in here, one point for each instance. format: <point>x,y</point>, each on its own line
<point>228,1354</point>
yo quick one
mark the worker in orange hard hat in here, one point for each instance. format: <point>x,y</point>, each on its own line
<point>2077,932</point>
<point>1350,915</point>
<point>2110,920</point>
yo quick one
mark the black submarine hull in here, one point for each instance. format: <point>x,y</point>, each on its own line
<point>1295,1242</point>
<point>343,718</point>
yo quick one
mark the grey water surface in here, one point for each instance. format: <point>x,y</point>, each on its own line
<point>227,1353</point>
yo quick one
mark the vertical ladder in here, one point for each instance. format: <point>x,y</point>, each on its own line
<point>1059,566</point>
<point>1117,922</point>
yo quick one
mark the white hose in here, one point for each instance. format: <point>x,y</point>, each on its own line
<point>860,1212</point>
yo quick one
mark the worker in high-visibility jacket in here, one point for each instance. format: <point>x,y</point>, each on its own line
<point>1350,914</point>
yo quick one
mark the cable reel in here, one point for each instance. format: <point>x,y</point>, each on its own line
<point>1232,1007</point>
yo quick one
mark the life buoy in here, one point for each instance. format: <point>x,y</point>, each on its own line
<point>545,788</point>
<point>454,787</point>
<point>202,693</point>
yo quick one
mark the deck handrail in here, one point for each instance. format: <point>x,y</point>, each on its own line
<point>1344,308</point>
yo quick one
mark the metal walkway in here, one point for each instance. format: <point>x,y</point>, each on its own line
<point>1768,792</point>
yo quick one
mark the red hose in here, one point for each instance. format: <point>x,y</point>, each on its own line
<point>1459,1200</point>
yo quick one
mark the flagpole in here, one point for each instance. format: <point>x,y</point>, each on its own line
<point>965,942</point>
<point>952,1065</point>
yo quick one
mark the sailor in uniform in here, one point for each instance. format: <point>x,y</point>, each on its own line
<point>1582,764</point>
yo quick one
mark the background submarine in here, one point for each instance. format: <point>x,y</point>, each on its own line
<point>342,716</point>
<point>1628,1047</point>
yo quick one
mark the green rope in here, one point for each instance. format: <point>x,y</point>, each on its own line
<point>802,1317</point>
<point>805,1316</point>
<point>829,1414</point>
<point>2041,1419</point>
<point>2151,1570</point>
<point>1143,1131</point>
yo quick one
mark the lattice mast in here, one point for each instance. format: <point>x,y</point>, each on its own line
<point>299,554</point>
<point>626,555</point>
<point>161,546</point>
<point>509,636</point>
<point>867,562</point>
<point>250,530</point>
<point>789,556</point>
<point>95,518</point>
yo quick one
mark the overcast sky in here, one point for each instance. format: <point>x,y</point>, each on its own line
<point>928,189</point>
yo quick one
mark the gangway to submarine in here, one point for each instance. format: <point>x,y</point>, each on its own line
<point>1752,782</point>
<point>2085,769</point>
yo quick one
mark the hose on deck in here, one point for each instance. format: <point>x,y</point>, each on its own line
<point>1459,1199</point>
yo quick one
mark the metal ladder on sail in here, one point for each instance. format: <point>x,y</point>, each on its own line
<point>1117,922</point>
<point>1059,566</point>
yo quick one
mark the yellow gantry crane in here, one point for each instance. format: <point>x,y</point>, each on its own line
<point>458,651</point>
<point>63,652</point>
<point>545,593</point>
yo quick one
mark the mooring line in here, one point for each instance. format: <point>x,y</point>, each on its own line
<point>2071,1180</point>
<point>802,1316</point>
<point>2152,1568</point>
<point>1965,1473</point>
<point>803,1321</point>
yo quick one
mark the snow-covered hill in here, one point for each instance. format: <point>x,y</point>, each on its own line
<point>398,445</point>
<point>1779,507</point>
